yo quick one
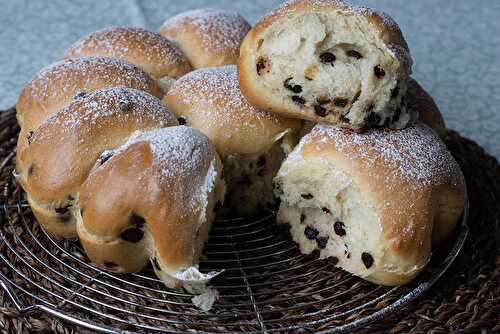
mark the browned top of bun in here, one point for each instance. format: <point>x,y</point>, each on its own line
<point>209,37</point>
<point>65,147</point>
<point>161,175</point>
<point>55,85</point>
<point>210,100</point>
<point>150,51</point>
<point>408,175</point>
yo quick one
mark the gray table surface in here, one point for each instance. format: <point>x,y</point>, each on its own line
<point>455,45</point>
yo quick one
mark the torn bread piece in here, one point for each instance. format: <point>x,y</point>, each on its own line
<point>328,61</point>
<point>374,202</point>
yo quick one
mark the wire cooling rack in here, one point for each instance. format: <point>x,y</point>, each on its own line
<point>267,286</point>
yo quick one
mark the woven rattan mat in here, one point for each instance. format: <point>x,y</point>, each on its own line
<point>465,300</point>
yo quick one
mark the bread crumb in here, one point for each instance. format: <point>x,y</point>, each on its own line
<point>206,300</point>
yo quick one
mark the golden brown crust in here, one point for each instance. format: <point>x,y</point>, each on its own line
<point>428,111</point>
<point>208,37</point>
<point>55,86</point>
<point>412,181</point>
<point>384,27</point>
<point>138,187</point>
<point>115,255</point>
<point>150,51</point>
<point>66,146</point>
<point>210,100</point>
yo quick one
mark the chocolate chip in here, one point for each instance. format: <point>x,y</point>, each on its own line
<point>327,57</point>
<point>320,111</point>
<point>307,196</point>
<point>309,79</point>
<point>277,187</point>
<point>70,198</point>
<point>367,260</point>
<point>325,210</point>
<point>110,265</point>
<point>132,234</point>
<point>261,65</point>
<point>298,100</point>
<point>354,54</point>
<point>311,233</point>
<point>80,94</point>
<point>340,102</point>
<point>338,227</point>
<point>379,72</point>
<point>29,137</point>
<point>397,115</point>
<point>136,220</point>
<point>395,92</point>
<point>125,105</point>
<point>30,170</point>
<point>182,120</point>
<point>322,241</point>
<point>347,254</point>
<point>302,218</point>
<point>262,161</point>
<point>294,88</point>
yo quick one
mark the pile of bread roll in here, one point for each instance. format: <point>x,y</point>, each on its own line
<point>136,141</point>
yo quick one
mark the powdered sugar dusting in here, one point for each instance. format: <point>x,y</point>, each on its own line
<point>67,77</point>
<point>416,153</point>
<point>184,156</point>
<point>219,89</point>
<point>287,6</point>
<point>122,42</point>
<point>315,3</point>
<point>122,104</point>
<point>221,30</point>
<point>387,20</point>
<point>177,148</point>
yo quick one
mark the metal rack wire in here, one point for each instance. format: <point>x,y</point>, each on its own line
<point>267,286</point>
